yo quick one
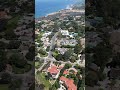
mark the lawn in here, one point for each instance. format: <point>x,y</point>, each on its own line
<point>39,36</point>
<point>42,80</point>
<point>42,53</point>
<point>37,64</point>
<point>4,87</point>
<point>55,53</point>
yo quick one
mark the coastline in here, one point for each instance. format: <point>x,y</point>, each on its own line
<point>43,9</point>
<point>69,8</point>
<point>55,12</point>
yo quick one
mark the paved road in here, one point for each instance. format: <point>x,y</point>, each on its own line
<point>49,57</point>
<point>52,45</point>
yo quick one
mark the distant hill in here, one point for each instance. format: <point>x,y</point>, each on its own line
<point>79,5</point>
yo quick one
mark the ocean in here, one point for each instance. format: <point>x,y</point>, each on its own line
<point>44,7</point>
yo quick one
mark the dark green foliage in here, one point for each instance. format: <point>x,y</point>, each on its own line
<point>91,79</point>
<point>42,52</point>
<point>67,55</point>
<point>32,49</point>
<point>77,48</point>
<point>59,57</point>
<point>32,87</point>
<point>15,84</point>
<point>67,66</point>
<point>14,44</point>
<point>5,78</point>
<point>18,60</point>
<point>3,60</point>
<point>2,45</point>
<point>30,56</point>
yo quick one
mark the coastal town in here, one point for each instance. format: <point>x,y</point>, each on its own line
<point>59,50</point>
<point>75,48</point>
<point>16,45</point>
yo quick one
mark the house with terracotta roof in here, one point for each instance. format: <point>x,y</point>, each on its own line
<point>67,83</point>
<point>66,72</point>
<point>71,70</point>
<point>54,71</point>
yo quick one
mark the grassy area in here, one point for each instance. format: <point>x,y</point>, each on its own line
<point>21,70</point>
<point>43,53</point>
<point>67,46</point>
<point>38,64</point>
<point>4,87</point>
<point>55,53</point>
<point>39,36</point>
<point>42,80</point>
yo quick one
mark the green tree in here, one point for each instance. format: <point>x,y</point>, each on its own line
<point>3,60</point>
<point>2,45</point>
<point>81,88</point>
<point>73,59</point>
<point>67,55</point>
<point>18,60</point>
<point>15,84</point>
<point>42,52</point>
<point>89,80</point>
<point>59,57</point>
<point>30,56</point>
<point>57,84</point>
<point>67,66</point>
<point>32,87</point>
<point>77,48</point>
<point>102,55</point>
<point>14,44</point>
<point>32,49</point>
<point>5,78</point>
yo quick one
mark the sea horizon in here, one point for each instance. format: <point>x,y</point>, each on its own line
<point>43,8</point>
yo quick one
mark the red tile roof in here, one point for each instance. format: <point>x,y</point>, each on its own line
<point>60,67</point>
<point>69,83</point>
<point>53,69</point>
<point>66,72</point>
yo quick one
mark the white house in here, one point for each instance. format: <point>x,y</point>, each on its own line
<point>64,32</point>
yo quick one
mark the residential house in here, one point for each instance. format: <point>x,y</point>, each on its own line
<point>71,42</point>
<point>53,71</point>
<point>62,50</point>
<point>67,83</point>
<point>64,32</point>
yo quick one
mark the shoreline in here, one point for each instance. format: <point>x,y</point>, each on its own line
<point>71,9</point>
<point>67,7</point>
